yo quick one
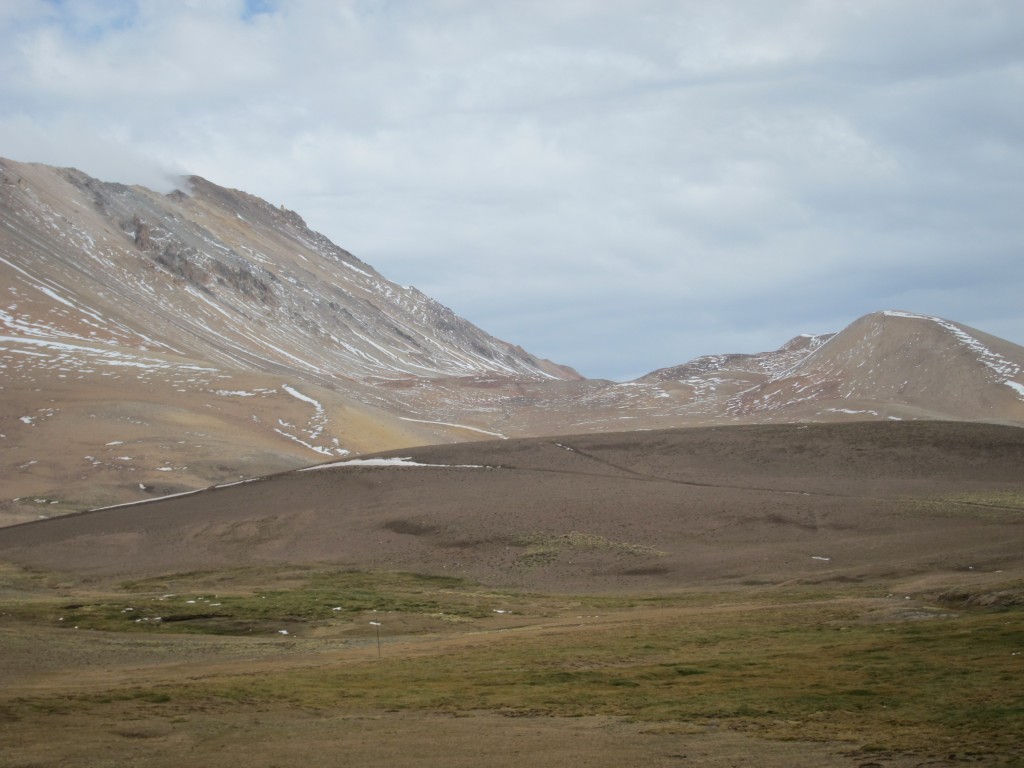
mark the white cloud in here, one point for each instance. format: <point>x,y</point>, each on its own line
<point>618,188</point>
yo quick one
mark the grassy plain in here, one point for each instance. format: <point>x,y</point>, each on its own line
<point>851,674</point>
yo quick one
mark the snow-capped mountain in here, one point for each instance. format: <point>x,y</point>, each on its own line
<point>152,343</point>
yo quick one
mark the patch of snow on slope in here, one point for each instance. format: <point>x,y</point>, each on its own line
<point>105,356</point>
<point>995,362</point>
<point>296,394</point>
<point>458,426</point>
<point>304,444</point>
<point>850,411</point>
<point>149,501</point>
<point>392,462</point>
<point>317,425</point>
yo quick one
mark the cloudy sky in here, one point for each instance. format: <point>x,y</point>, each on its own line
<point>618,186</point>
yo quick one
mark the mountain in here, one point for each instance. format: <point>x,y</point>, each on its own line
<point>898,365</point>
<point>889,365</point>
<point>157,343</point>
<point>220,275</point>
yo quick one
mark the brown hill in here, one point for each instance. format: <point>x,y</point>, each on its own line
<point>897,364</point>
<point>641,510</point>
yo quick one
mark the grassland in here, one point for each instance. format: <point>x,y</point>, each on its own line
<point>891,676</point>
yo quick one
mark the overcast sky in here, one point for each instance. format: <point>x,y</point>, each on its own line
<point>618,186</point>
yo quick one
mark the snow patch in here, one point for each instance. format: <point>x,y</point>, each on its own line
<point>317,424</point>
<point>850,411</point>
<point>457,426</point>
<point>390,462</point>
<point>314,448</point>
<point>298,395</point>
<point>149,501</point>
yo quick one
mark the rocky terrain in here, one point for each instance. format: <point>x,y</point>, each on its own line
<point>154,344</point>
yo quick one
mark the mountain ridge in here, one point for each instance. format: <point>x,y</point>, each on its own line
<point>227,290</point>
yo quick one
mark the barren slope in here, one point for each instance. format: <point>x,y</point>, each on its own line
<point>887,365</point>
<point>220,275</point>
<point>760,504</point>
<point>896,364</point>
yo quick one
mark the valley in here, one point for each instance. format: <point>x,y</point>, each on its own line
<point>257,500</point>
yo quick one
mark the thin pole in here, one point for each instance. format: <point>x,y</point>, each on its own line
<point>376,626</point>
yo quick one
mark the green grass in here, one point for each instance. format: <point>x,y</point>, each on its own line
<point>216,603</point>
<point>297,597</point>
<point>541,549</point>
<point>799,672</point>
<point>790,673</point>
<point>787,664</point>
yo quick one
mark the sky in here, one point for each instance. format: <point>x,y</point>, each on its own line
<point>617,186</point>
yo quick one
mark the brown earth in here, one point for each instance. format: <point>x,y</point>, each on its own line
<point>630,511</point>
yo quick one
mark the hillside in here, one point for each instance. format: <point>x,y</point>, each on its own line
<point>897,364</point>
<point>796,595</point>
<point>216,274</point>
<point>890,365</point>
<point>635,511</point>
